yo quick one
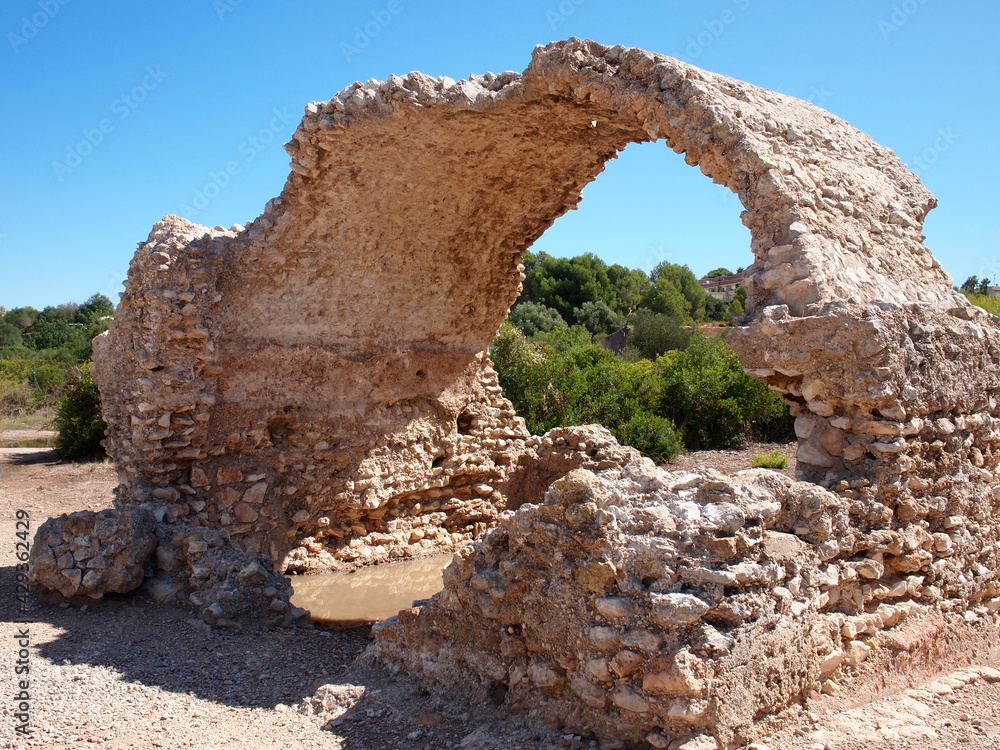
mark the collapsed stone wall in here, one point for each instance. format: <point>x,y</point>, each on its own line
<point>312,390</point>
<point>320,372</point>
<point>666,610</point>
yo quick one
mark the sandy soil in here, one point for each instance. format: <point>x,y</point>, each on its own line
<point>731,461</point>
<point>18,438</point>
<point>127,673</point>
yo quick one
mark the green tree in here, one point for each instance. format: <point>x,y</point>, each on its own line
<point>738,305</point>
<point>566,283</point>
<point>10,335</point>
<point>598,318</point>
<point>676,292</point>
<point>970,284</point>
<point>718,272</point>
<point>715,308</point>
<point>534,317</point>
<point>629,286</point>
<point>94,309</point>
<point>22,318</point>
<point>50,333</point>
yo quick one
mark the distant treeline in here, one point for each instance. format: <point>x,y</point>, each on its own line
<point>587,291</point>
<point>45,363</point>
<point>60,333</point>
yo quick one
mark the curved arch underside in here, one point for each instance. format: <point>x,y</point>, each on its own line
<point>299,381</point>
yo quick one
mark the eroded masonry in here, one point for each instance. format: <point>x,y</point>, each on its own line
<point>313,391</point>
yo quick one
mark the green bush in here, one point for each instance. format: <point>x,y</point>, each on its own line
<point>653,436</point>
<point>15,397</point>
<point>772,460</point>
<point>598,318</point>
<point>532,317</point>
<point>553,387</point>
<point>701,393</point>
<point>45,380</point>
<point>78,419</point>
<point>714,402</point>
<point>654,334</point>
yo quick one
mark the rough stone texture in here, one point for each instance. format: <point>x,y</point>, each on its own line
<point>655,607</point>
<point>314,388</point>
<point>91,554</point>
<point>320,374</point>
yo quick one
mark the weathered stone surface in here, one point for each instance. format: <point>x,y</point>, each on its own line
<point>332,352</point>
<point>93,554</point>
<point>637,653</point>
<point>314,390</point>
<point>674,640</point>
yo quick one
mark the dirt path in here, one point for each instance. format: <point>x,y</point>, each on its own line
<point>127,673</point>
<point>26,438</point>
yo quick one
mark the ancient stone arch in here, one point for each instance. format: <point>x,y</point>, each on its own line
<point>312,390</point>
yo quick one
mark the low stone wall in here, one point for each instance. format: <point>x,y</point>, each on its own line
<point>655,608</point>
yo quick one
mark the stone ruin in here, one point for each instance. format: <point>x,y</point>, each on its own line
<point>312,391</point>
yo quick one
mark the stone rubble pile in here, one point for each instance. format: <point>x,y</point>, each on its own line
<point>655,607</point>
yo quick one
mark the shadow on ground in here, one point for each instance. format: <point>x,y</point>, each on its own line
<point>169,648</point>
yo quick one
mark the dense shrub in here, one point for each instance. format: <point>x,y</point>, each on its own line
<point>10,335</point>
<point>598,318</point>
<point>653,436</point>
<point>15,397</point>
<point>43,379</point>
<point>533,317</point>
<point>553,387</point>
<point>565,339</point>
<point>654,334</point>
<point>78,419</point>
<point>699,397</point>
<point>714,402</point>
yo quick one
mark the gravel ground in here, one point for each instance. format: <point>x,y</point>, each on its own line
<point>731,461</point>
<point>127,673</point>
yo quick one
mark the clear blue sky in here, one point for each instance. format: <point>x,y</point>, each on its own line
<point>173,91</point>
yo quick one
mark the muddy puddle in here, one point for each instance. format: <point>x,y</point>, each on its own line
<point>369,594</point>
